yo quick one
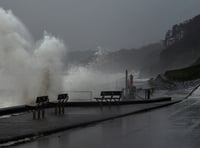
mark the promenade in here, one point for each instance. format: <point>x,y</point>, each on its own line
<point>22,126</point>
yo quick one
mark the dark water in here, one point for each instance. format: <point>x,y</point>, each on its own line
<point>177,126</point>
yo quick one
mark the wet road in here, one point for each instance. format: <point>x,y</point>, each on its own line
<point>177,126</point>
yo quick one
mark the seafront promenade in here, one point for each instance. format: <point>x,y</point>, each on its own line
<point>21,126</point>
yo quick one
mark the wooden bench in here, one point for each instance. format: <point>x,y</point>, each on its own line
<point>62,100</point>
<point>41,103</point>
<point>109,96</point>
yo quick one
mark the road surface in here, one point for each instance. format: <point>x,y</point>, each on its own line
<point>176,126</point>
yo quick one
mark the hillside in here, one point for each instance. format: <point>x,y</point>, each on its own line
<point>185,74</point>
<point>79,57</point>
<point>182,45</point>
<point>132,59</point>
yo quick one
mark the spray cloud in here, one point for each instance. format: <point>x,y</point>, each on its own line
<point>90,78</point>
<point>27,68</point>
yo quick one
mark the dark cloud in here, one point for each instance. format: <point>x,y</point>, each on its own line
<point>115,24</point>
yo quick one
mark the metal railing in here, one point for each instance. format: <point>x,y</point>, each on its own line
<point>79,95</point>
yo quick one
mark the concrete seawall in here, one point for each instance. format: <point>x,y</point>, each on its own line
<point>25,108</point>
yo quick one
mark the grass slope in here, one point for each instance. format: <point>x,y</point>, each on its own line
<point>185,74</point>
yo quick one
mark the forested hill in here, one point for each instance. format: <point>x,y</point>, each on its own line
<point>182,44</point>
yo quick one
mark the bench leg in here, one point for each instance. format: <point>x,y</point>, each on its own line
<point>34,114</point>
<point>63,108</point>
<point>43,113</point>
<point>59,109</point>
<point>99,101</point>
<point>56,110</point>
<point>118,102</point>
<point>108,102</point>
<point>38,113</point>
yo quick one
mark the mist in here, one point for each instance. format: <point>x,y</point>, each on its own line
<point>82,81</point>
<point>31,68</point>
<point>27,68</point>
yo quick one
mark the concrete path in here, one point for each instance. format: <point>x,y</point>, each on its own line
<point>23,126</point>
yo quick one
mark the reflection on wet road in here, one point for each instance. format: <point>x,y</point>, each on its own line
<point>177,126</point>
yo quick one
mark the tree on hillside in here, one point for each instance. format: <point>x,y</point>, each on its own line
<point>186,34</point>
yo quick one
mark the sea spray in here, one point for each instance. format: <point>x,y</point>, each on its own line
<point>27,68</point>
<point>89,78</point>
<point>85,78</point>
<point>79,80</point>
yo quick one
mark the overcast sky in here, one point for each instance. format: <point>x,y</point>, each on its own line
<point>114,24</point>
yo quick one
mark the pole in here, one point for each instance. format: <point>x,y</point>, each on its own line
<point>126,84</point>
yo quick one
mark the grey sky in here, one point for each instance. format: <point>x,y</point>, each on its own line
<point>115,24</point>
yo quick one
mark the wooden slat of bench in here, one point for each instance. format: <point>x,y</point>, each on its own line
<point>109,93</point>
<point>63,97</point>
<point>42,99</point>
<point>108,96</point>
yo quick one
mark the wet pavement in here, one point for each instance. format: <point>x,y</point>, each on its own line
<point>176,126</point>
<point>23,126</point>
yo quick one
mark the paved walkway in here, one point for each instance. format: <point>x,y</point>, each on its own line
<point>23,126</point>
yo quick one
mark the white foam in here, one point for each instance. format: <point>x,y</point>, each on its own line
<point>27,68</point>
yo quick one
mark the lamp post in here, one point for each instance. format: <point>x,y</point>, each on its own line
<point>126,84</point>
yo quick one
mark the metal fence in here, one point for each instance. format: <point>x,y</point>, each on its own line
<point>80,95</point>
